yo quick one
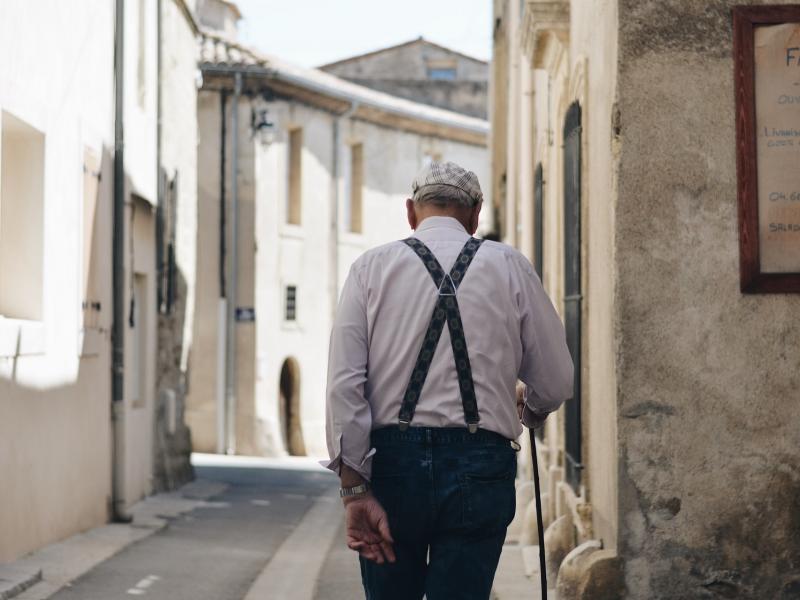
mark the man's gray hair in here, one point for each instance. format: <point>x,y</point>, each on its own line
<point>443,194</point>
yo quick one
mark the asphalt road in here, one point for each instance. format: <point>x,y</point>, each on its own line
<point>215,552</point>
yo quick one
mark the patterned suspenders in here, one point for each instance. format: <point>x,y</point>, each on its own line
<point>446,310</point>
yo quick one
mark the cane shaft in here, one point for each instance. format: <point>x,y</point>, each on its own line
<point>540,524</point>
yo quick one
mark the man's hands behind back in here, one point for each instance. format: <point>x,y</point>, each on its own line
<point>367,529</point>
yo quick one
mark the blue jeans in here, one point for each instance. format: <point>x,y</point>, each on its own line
<point>449,496</point>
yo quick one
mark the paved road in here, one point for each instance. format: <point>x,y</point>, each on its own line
<point>274,533</point>
<point>215,552</point>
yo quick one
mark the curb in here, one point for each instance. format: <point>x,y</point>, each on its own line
<point>14,580</point>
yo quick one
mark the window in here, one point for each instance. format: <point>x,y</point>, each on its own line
<point>21,219</point>
<point>356,187</point>
<point>442,74</point>
<point>294,197</point>
<point>291,303</point>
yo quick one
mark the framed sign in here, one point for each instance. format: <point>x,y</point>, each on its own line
<point>767,83</point>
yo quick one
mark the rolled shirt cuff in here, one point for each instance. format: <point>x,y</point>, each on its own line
<point>533,418</point>
<point>363,466</point>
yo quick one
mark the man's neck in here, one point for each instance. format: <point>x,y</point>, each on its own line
<point>426,215</point>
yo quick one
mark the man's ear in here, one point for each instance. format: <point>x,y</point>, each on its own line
<point>474,218</point>
<point>411,213</point>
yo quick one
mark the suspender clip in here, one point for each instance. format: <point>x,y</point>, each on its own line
<point>403,425</point>
<point>473,427</point>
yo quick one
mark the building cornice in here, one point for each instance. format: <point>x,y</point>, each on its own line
<point>543,21</point>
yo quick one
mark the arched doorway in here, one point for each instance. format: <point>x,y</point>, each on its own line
<point>289,408</point>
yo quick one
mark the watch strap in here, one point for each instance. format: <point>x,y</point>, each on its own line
<point>354,491</point>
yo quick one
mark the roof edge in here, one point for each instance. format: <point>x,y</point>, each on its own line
<point>418,40</point>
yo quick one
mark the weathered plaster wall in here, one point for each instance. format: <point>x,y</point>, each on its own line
<point>179,163</point>
<point>708,378</point>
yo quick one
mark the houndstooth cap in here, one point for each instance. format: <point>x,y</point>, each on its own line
<point>448,173</point>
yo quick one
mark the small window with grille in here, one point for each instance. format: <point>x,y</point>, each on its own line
<point>291,303</point>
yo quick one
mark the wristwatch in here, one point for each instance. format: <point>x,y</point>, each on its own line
<point>354,491</point>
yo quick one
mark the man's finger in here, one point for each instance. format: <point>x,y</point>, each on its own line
<point>388,551</point>
<point>383,529</point>
<point>373,554</point>
<point>355,545</point>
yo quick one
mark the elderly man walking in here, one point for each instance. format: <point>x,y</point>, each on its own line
<point>431,335</point>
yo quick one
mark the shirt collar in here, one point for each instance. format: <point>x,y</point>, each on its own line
<point>437,222</point>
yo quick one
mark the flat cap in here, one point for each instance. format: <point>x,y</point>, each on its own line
<point>449,173</point>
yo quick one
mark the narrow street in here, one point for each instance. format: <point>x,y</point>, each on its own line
<point>218,550</point>
<point>246,529</point>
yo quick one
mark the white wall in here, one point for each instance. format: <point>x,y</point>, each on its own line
<point>56,75</point>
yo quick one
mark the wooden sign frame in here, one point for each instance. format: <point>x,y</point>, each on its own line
<point>745,20</point>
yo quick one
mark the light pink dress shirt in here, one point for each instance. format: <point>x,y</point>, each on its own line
<point>512,332</point>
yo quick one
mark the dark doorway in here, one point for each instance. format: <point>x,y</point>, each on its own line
<point>572,288</point>
<point>289,408</point>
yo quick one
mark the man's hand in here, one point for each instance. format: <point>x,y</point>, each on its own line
<point>528,417</point>
<point>367,529</point>
<point>520,398</point>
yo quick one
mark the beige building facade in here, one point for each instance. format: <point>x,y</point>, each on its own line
<point>70,457</point>
<point>323,167</point>
<point>674,471</point>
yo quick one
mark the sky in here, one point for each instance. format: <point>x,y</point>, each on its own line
<point>315,32</point>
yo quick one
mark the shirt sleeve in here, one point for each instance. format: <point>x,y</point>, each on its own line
<point>348,414</point>
<point>546,367</point>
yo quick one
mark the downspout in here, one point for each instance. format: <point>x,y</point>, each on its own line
<point>118,510</point>
<point>233,273</point>
<point>222,306</point>
<point>333,254</point>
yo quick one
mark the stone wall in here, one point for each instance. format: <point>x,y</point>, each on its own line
<point>403,71</point>
<point>708,378</point>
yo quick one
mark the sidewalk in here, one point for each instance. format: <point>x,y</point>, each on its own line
<point>42,573</point>
<point>510,582</point>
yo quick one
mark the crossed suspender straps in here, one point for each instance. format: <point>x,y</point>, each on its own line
<point>445,310</point>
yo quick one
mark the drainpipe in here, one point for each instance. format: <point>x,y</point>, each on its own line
<point>118,510</point>
<point>233,273</point>
<point>333,254</point>
<point>222,306</point>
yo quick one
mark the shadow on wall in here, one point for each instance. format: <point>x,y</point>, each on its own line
<point>289,407</point>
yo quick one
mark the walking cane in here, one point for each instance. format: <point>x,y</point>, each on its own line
<point>542,569</point>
